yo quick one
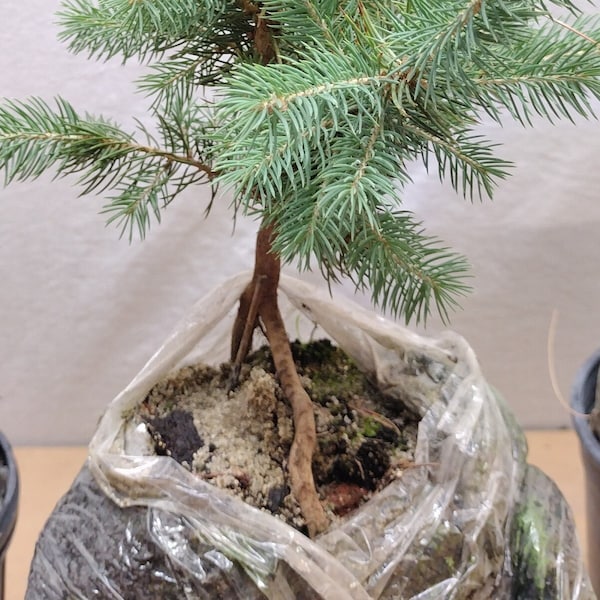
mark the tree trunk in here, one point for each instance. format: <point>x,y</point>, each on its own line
<point>259,303</point>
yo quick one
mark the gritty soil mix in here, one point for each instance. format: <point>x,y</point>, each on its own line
<point>239,439</point>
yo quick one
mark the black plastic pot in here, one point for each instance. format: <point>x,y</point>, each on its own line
<point>582,401</point>
<point>8,504</point>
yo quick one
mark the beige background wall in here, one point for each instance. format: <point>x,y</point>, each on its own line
<point>81,311</point>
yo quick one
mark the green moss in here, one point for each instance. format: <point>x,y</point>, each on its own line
<point>331,372</point>
<point>370,427</point>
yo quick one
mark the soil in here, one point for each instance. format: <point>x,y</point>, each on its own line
<point>239,439</point>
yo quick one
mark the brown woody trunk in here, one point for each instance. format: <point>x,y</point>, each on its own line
<point>259,302</point>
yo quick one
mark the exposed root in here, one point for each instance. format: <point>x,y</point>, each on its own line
<point>243,328</point>
<point>305,434</point>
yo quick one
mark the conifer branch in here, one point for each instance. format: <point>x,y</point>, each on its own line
<point>106,28</point>
<point>35,138</point>
<point>469,163</point>
<point>574,30</point>
<point>553,71</point>
<point>318,142</point>
<point>405,271</point>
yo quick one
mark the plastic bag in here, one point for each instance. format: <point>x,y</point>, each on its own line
<point>134,521</point>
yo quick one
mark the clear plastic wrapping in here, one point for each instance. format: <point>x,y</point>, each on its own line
<point>454,528</point>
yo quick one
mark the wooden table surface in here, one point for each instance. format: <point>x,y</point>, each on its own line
<point>46,473</point>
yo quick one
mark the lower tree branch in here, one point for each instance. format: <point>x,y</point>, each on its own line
<point>259,300</point>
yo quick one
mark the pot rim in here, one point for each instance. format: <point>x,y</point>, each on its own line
<point>9,505</point>
<point>582,400</point>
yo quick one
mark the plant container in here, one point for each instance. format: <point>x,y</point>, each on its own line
<point>9,498</point>
<point>582,402</point>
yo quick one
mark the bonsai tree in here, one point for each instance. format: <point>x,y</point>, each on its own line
<point>309,113</point>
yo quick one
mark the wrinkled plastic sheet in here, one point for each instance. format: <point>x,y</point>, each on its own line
<point>462,525</point>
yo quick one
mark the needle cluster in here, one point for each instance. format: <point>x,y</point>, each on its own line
<point>317,144</point>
